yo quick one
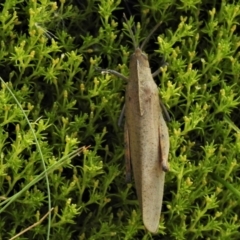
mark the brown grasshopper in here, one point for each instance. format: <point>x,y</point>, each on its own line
<point>145,136</point>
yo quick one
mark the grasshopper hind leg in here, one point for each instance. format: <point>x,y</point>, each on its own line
<point>121,116</point>
<point>127,154</point>
<point>164,143</point>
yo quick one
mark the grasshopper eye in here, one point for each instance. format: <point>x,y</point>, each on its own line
<point>145,56</point>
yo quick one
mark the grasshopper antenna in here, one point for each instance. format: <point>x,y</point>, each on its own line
<point>130,31</point>
<point>150,34</point>
<point>128,9</point>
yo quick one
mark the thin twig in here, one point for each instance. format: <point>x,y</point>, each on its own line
<point>32,226</point>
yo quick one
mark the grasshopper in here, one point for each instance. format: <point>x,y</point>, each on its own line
<point>145,136</point>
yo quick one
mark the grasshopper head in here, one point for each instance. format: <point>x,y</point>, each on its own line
<point>139,58</point>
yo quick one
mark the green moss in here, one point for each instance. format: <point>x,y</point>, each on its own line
<point>48,56</point>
